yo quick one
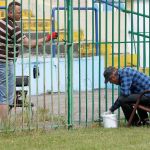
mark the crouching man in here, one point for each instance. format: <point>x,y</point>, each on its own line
<point>132,83</point>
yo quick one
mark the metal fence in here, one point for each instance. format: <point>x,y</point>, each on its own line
<point>65,84</point>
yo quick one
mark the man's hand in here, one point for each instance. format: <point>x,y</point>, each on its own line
<point>53,36</point>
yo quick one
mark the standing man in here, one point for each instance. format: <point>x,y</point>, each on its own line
<point>132,83</point>
<point>10,32</point>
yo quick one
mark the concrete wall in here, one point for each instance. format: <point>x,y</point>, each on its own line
<point>58,71</point>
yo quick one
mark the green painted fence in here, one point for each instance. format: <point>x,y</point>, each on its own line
<point>93,34</point>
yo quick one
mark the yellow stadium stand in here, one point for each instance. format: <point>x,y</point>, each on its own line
<point>2,13</point>
<point>75,35</point>
<point>2,3</point>
<point>104,47</point>
<point>122,60</point>
<point>26,13</point>
<point>39,23</point>
<point>144,70</point>
<point>89,49</point>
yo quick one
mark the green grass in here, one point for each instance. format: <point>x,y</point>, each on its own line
<point>96,138</point>
<point>43,116</point>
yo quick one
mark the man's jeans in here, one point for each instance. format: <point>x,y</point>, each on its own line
<point>4,97</point>
<point>126,105</point>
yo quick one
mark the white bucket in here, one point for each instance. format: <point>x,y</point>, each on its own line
<point>110,120</point>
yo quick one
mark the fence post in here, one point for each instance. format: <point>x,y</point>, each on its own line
<point>69,52</point>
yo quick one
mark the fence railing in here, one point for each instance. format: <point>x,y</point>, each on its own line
<point>65,76</point>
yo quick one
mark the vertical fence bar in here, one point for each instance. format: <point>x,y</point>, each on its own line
<point>14,47</point>
<point>37,50</point>
<point>86,67</point>
<point>6,14</point>
<point>79,48</point>
<point>144,43</point>
<point>125,35</point>
<point>106,53</point>
<point>93,53</point>
<point>113,46</point>
<point>22,66</point>
<point>72,58</point>
<point>44,67</point>
<point>149,39</point>
<point>119,19</point>
<point>52,17</point>
<point>65,47</point>
<point>132,30</point>
<point>58,56</point>
<point>29,37</point>
<point>99,76</point>
<point>138,37</point>
<point>70,33</point>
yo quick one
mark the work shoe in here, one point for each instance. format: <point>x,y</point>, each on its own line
<point>137,123</point>
<point>146,122</point>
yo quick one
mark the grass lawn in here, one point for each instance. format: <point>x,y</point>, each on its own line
<point>96,138</point>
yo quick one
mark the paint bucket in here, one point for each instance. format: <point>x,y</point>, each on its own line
<point>110,120</point>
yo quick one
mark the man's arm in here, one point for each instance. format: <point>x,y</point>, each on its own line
<point>115,106</point>
<point>27,42</point>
